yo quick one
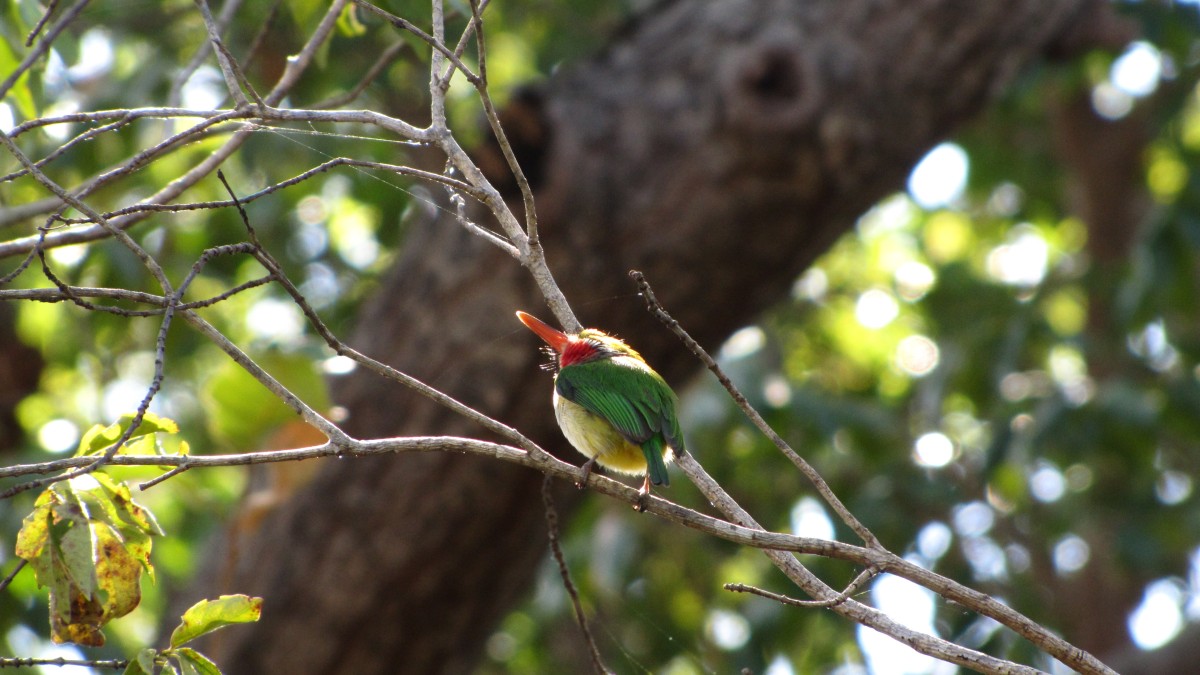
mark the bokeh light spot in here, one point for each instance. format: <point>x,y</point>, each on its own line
<point>876,309</point>
<point>917,355</point>
<point>940,177</point>
<point>1158,619</point>
<point>933,450</point>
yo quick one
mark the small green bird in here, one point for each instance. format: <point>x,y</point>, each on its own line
<point>610,405</point>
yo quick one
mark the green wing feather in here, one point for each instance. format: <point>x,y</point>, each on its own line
<point>631,397</point>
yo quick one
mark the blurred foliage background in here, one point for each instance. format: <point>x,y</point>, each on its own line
<point>984,383</point>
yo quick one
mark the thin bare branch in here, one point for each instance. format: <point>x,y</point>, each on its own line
<point>543,462</point>
<point>853,588</point>
<point>299,63</point>
<point>450,184</point>
<point>228,10</point>
<point>469,32</point>
<point>127,167</point>
<point>653,306</point>
<point>12,662</point>
<point>42,47</point>
<point>493,118</point>
<point>37,28</point>
<point>24,211</point>
<point>849,608</point>
<point>565,574</point>
<point>224,59</point>
<point>292,72</point>
<point>75,292</point>
<point>338,438</point>
<point>107,115</point>
<point>386,58</point>
<point>160,346</point>
<point>276,271</point>
<point>64,147</point>
<point>21,562</point>
<point>437,43</point>
<point>179,468</point>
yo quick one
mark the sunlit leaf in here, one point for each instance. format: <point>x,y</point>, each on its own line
<point>88,542</point>
<point>100,438</point>
<point>129,512</point>
<point>192,662</point>
<point>142,664</point>
<point>209,615</point>
<point>349,24</point>
<point>230,391</point>
<point>20,94</point>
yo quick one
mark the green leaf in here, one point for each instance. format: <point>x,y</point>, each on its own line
<point>35,532</point>
<point>208,615</point>
<point>192,662</point>
<point>135,668</point>
<point>119,568</point>
<point>89,543</point>
<point>230,391</point>
<point>100,438</point>
<point>125,512</point>
<point>77,554</point>
<point>143,663</point>
<point>348,23</point>
<point>20,93</point>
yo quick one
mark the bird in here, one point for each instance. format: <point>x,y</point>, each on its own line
<point>611,405</point>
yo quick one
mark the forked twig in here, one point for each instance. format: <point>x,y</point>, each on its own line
<point>852,588</point>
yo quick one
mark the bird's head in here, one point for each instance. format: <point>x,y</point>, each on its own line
<point>588,345</point>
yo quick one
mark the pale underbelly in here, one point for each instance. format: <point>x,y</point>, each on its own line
<point>595,438</point>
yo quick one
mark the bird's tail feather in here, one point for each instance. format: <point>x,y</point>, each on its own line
<point>656,468</point>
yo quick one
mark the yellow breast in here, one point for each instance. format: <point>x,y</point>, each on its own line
<point>595,437</point>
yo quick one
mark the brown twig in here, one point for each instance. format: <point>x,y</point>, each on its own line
<point>493,118</point>
<point>43,45</point>
<point>21,562</point>
<point>565,573</point>
<point>393,52</point>
<point>37,28</point>
<point>324,167</point>
<point>233,80</point>
<point>11,662</point>
<point>180,468</point>
<point>439,46</point>
<point>854,587</point>
<point>543,462</point>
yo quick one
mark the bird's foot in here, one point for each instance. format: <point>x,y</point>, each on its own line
<point>643,497</point>
<point>587,472</point>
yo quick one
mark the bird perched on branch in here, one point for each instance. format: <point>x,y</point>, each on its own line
<point>610,405</point>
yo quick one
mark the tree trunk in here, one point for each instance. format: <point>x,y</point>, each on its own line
<point>720,147</point>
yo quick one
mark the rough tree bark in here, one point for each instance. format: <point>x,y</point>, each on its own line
<point>718,146</point>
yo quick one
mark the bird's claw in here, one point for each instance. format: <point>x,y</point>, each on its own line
<point>587,473</point>
<point>642,500</point>
<point>643,497</point>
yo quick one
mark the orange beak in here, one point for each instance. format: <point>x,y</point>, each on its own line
<point>555,338</point>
